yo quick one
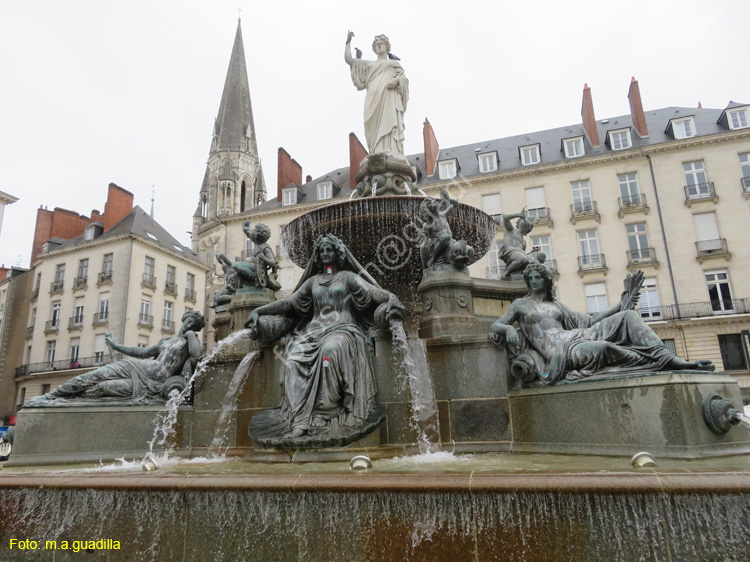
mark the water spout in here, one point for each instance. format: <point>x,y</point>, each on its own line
<point>742,420</point>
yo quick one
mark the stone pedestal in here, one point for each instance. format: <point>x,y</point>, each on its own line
<point>384,173</point>
<point>448,308</point>
<point>222,322</point>
<point>661,413</point>
<point>244,302</point>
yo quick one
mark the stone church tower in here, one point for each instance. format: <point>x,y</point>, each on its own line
<point>233,182</point>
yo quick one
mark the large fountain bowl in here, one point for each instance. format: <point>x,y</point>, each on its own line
<point>383,233</point>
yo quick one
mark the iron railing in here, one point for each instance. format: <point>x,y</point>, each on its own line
<point>145,320</point>
<point>104,277</point>
<point>101,318</point>
<point>632,202</point>
<point>30,331</point>
<point>745,185</point>
<point>35,293</point>
<point>167,325</point>
<point>170,288</point>
<point>712,247</point>
<point>51,326</point>
<point>539,215</point>
<point>699,309</point>
<point>190,295</point>
<point>80,282</point>
<point>642,256</point>
<point>700,191</point>
<point>65,364</point>
<point>75,322</point>
<point>149,281</point>
<point>592,261</point>
<point>56,287</point>
<point>583,209</point>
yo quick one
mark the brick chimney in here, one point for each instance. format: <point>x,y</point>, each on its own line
<point>636,109</point>
<point>60,223</point>
<point>289,172</point>
<point>431,147</point>
<point>119,204</point>
<point>357,152</point>
<point>589,119</point>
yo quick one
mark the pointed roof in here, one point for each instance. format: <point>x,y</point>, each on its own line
<point>235,112</point>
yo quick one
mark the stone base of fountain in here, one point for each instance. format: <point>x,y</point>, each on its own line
<point>231,317</point>
<point>661,413</point>
<point>92,434</point>
<point>447,303</point>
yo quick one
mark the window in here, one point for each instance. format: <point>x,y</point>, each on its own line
<point>573,147</point>
<point>745,167</point>
<point>190,282</point>
<point>38,281</point>
<point>60,273</point>
<point>99,347</point>
<point>619,140</point>
<point>148,266</point>
<point>33,317</point>
<point>107,264</point>
<point>325,190</point>
<point>145,308</point>
<point>75,345</point>
<point>447,169</point>
<point>168,311</point>
<point>289,196</point>
<point>737,118</point>
<point>88,233</point>
<point>497,266</point>
<point>142,341</point>
<point>170,274</point>
<point>696,179</point>
<point>629,190</point>
<point>78,316</point>
<point>226,197</point>
<point>732,352</point>
<point>28,355</point>
<point>683,128</point>
<point>596,297</point>
<point>487,162</point>
<point>491,205</point>
<point>638,241</point>
<point>588,245</point>
<point>719,292</point>
<point>49,354</point>
<point>707,232</point>
<point>649,304</point>
<point>83,269</point>
<point>55,320</point>
<point>104,307</point>
<point>45,388</point>
<point>542,244</point>
<point>536,204</point>
<point>529,154</point>
<point>581,196</point>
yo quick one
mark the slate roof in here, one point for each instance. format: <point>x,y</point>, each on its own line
<point>550,141</point>
<point>139,223</point>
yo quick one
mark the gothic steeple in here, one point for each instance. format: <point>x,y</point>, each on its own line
<point>230,185</point>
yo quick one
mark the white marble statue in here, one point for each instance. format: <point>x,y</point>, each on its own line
<point>387,95</point>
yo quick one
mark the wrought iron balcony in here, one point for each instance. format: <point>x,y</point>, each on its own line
<point>698,309</point>
<point>56,287</point>
<point>631,204</point>
<point>148,281</point>
<point>101,318</point>
<point>170,288</point>
<point>75,322</point>
<point>167,326</point>
<point>540,215</point>
<point>190,295</point>
<point>35,293</point>
<point>592,262</point>
<point>584,210</point>
<point>30,332</point>
<point>80,282</point>
<point>644,256</point>
<point>712,248</point>
<point>145,320</point>
<point>104,277</point>
<point>65,364</point>
<point>700,191</point>
<point>51,326</point>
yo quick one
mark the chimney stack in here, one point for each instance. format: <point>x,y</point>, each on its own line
<point>589,119</point>
<point>357,153</point>
<point>636,109</point>
<point>289,172</point>
<point>308,178</point>
<point>431,147</point>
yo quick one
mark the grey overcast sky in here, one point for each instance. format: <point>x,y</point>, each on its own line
<point>97,91</point>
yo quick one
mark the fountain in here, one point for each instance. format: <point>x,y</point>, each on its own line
<point>436,389</point>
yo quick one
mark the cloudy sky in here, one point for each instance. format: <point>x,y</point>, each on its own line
<point>97,91</point>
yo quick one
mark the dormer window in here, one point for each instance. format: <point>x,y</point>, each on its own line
<point>325,190</point>
<point>530,154</point>
<point>573,147</point>
<point>682,128</point>
<point>448,169</point>
<point>737,118</point>
<point>88,234</point>
<point>619,139</point>
<point>487,162</point>
<point>289,196</point>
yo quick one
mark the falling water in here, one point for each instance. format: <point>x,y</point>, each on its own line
<point>165,422</point>
<point>742,419</point>
<point>229,406</point>
<point>416,372</point>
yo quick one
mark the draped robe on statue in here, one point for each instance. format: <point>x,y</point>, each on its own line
<point>384,106</point>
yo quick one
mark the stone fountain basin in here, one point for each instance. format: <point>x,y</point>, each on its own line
<point>383,233</point>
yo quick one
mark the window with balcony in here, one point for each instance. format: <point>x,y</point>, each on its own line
<point>167,321</point>
<point>639,251</point>
<point>708,240</point>
<point>583,205</point>
<point>737,118</point>
<point>487,162</point>
<point>49,353</point>
<point>103,313</point>
<point>719,291</point>
<point>649,304</point>
<point>57,284</point>
<point>190,287</point>
<point>733,354</point>
<point>573,147</point>
<point>75,346</point>
<point>99,347</point>
<point>144,317</point>
<point>448,169</point>
<point>596,297</point>
<point>55,319</point>
<point>76,320</point>
<point>697,184</point>
<point>149,279</point>
<point>492,206</point>
<point>536,204</point>
<point>542,244</point>
<point>325,190</point>
<point>745,168</point>
<point>530,154</point>
<point>619,139</point>
<point>496,266</point>
<point>588,246</point>
<point>83,268</point>
<point>171,284</point>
